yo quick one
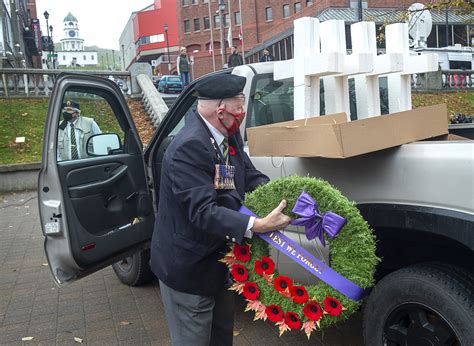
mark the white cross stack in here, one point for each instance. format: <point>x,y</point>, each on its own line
<point>319,55</point>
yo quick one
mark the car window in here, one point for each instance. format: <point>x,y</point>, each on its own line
<point>87,127</point>
<point>271,102</point>
<point>174,79</point>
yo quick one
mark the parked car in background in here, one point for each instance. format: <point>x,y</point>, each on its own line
<point>170,84</point>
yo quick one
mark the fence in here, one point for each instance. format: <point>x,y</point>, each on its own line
<point>445,80</point>
<point>39,83</point>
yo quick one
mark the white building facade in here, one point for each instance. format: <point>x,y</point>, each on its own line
<point>72,53</point>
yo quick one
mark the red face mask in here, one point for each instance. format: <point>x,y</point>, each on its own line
<point>234,127</point>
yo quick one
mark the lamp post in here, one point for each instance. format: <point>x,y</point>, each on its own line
<point>52,46</point>
<point>221,19</point>
<point>46,16</point>
<point>165,28</point>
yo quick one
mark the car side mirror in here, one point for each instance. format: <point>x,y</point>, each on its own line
<point>103,144</point>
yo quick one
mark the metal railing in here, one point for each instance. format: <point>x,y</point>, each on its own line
<point>39,83</point>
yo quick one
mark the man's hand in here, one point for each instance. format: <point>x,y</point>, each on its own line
<point>276,220</point>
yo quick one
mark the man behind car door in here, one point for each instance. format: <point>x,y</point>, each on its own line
<point>197,215</point>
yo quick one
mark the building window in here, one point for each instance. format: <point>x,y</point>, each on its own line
<point>185,2</point>
<point>196,24</point>
<point>286,11</point>
<point>297,7</point>
<point>92,57</point>
<point>237,19</point>
<point>207,25</point>
<point>195,2</point>
<point>84,57</point>
<point>187,27</point>
<point>268,14</point>
<point>64,57</point>
<point>73,46</point>
<point>309,2</point>
<point>226,20</point>
<point>217,21</point>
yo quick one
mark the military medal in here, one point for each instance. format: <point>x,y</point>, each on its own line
<point>224,177</point>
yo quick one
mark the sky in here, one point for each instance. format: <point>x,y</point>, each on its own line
<point>100,22</point>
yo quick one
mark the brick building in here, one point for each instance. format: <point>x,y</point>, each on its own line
<point>270,24</point>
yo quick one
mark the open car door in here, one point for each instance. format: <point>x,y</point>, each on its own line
<point>94,201</point>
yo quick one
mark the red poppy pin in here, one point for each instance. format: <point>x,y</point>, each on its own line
<point>231,150</point>
<point>239,273</point>
<point>265,266</point>
<point>242,252</point>
<point>251,291</point>
<point>332,306</point>
<point>274,313</point>
<point>292,320</point>
<point>299,294</point>
<point>313,311</point>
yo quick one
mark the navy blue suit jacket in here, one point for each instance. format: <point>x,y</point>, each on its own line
<point>194,220</point>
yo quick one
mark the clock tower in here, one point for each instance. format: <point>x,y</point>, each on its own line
<point>71,41</point>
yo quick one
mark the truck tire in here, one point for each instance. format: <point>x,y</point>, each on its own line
<point>135,270</point>
<point>421,305</point>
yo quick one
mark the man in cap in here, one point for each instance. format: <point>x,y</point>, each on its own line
<point>74,132</point>
<point>201,190</point>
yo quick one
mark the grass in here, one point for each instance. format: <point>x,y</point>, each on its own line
<point>26,117</point>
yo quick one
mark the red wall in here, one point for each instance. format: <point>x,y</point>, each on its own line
<point>151,22</point>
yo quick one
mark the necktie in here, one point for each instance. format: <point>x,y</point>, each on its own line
<point>225,150</point>
<point>72,137</point>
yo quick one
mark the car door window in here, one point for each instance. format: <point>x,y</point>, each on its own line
<point>270,102</point>
<point>87,127</point>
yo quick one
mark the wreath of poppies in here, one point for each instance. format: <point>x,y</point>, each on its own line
<point>292,306</point>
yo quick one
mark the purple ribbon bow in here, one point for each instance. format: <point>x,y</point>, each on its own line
<point>315,222</point>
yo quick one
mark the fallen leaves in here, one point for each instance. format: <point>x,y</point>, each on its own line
<point>27,338</point>
<point>78,340</point>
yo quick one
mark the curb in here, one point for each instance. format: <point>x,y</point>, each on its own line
<point>19,177</point>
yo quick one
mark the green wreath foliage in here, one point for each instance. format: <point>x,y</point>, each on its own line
<point>352,251</point>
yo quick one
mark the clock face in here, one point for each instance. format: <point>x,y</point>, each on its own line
<point>72,33</point>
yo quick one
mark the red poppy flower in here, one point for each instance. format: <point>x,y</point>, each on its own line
<point>231,150</point>
<point>299,294</point>
<point>292,320</point>
<point>313,311</point>
<point>239,273</point>
<point>251,291</point>
<point>266,265</point>
<point>332,306</point>
<point>274,313</point>
<point>281,283</point>
<point>242,252</point>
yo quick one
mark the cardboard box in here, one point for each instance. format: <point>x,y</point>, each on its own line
<point>332,136</point>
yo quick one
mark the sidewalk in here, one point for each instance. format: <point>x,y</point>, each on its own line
<point>99,310</point>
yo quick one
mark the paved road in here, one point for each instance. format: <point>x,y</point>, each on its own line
<point>99,310</point>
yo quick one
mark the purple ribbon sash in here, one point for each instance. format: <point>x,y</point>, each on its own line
<point>323,272</point>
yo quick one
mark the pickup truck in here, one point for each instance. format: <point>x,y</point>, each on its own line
<point>418,198</point>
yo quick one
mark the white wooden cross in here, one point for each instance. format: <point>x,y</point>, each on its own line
<point>399,85</point>
<point>364,40</point>
<point>307,67</point>
<point>311,62</point>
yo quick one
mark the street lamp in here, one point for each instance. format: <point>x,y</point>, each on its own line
<point>165,27</point>
<point>52,45</point>
<point>123,56</point>
<point>46,16</point>
<point>221,19</point>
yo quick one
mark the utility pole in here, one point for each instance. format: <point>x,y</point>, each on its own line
<point>123,56</point>
<point>107,57</point>
<point>360,10</point>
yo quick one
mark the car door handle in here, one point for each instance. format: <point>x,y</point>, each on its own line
<point>90,188</point>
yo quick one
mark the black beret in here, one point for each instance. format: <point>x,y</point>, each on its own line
<point>221,86</point>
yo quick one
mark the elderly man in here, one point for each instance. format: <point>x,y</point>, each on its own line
<point>74,132</point>
<point>201,189</point>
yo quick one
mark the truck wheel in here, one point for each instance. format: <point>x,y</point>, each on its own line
<point>135,270</point>
<point>421,305</point>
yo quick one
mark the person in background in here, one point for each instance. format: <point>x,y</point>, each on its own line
<point>234,59</point>
<point>267,56</point>
<point>183,65</point>
<point>205,176</point>
<point>74,132</point>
